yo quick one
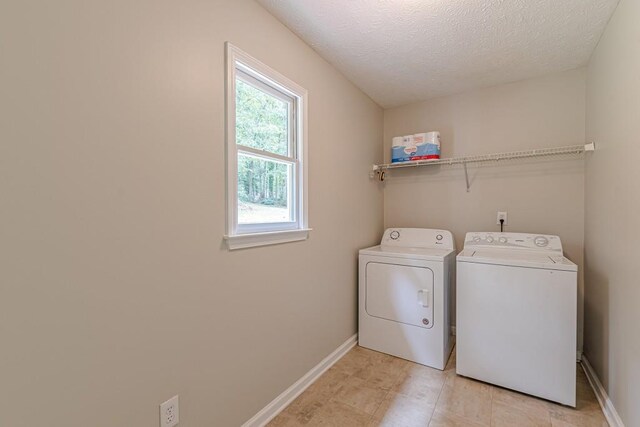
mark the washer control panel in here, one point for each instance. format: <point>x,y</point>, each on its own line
<point>513,240</point>
<point>418,238</point>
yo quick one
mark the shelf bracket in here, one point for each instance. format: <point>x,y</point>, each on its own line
<point>466,175</point>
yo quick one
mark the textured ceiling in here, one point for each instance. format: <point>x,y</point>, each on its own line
<point>401,51</point>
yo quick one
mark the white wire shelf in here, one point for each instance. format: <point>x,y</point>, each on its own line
<point>539,152</point>
<point>526,154</point>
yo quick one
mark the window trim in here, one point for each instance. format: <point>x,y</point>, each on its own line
<point>250,235</point>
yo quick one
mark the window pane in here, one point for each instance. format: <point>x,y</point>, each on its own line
<point>262,120</point>
<point>263,191</point>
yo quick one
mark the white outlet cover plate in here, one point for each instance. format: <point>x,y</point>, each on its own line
<point>502,215</point>
<point>170,412</point>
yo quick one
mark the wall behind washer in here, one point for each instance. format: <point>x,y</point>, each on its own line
<point>540,196</point>
<point>116,291</point>
<point>612,232</point>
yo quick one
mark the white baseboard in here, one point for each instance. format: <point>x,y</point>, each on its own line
<point>609,410</point>
<point>286,397</point>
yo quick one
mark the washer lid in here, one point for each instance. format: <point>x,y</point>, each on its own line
<point>429,254</point>
<point>517,258</point>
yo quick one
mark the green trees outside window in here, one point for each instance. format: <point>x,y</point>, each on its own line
<point>262,122</point>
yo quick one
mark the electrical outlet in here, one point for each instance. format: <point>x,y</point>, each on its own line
<point>170,413</point>
<point>502,215</point>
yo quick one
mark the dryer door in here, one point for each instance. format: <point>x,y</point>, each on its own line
<point>400,293</point>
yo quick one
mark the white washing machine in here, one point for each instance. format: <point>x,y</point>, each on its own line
<point>517,314</point>
<point>404,295</point>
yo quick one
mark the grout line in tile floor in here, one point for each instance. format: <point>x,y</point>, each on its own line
<point>433,411</point>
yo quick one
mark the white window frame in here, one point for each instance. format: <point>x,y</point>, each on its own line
<point>239,236</point>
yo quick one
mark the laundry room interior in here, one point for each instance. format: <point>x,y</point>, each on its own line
<point>224,213</point>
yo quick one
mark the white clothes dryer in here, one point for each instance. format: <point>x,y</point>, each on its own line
<point>404,295</point>
<point>517,314</point>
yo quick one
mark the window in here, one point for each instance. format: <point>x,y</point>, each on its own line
<point>266,154</point>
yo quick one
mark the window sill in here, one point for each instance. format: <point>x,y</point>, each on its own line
<point>250,240</point>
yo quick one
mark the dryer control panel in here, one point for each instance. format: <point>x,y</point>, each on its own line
<point>418,238</point>
<point>537,242</point>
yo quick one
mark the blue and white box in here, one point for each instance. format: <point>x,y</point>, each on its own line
<point>421,146</point>
<point>403,149</point>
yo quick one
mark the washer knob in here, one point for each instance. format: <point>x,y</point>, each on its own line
<point>489,239</point>
<point>541,241</point>
<point>395,234</point>
<point>503,240</point>
<point>476,239</point>
<point>439,237</point>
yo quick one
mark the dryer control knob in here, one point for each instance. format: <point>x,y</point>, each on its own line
<point>489,239</point>
<point>476,239</point>
<point>394,235</point>
<point>503,240</point>
<point>439,237</point>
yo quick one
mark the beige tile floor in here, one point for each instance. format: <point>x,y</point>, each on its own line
<point>367,388</point>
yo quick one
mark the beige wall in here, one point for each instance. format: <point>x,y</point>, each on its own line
<point>115,289</point>
<point>539,196</point>
<point>612,314</point>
